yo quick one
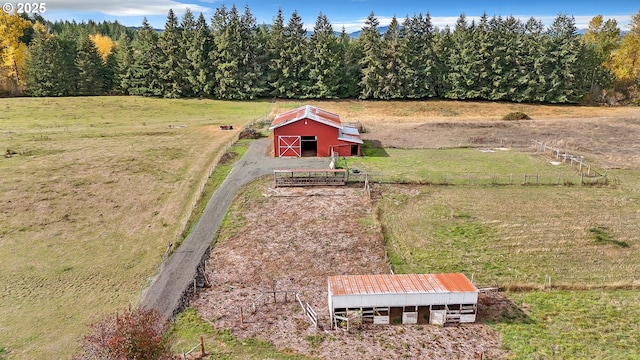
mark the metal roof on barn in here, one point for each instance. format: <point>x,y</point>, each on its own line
<point>399,284</point>
<point>306,112</point>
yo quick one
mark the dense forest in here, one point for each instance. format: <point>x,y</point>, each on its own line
<point>232,57</point>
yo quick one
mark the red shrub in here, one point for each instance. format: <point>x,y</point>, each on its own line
<point>137,334</point>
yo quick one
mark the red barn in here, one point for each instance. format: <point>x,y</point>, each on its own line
<point>310,131</point>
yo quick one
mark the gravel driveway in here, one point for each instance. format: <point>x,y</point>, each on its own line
<point>170,289</point>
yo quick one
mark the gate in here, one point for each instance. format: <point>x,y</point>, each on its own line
<point>289,146</point>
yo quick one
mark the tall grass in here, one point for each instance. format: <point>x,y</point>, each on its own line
<point>92,193</point>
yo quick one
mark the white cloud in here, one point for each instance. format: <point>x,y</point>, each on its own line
<point>124,8</point>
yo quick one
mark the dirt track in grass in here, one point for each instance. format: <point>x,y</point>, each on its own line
<point>295,238</point>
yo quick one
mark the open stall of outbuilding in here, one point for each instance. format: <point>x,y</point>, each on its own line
<point>402,299</point>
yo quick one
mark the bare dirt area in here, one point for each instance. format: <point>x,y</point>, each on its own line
<point>606,136</point>
<point>609,142</point>
<point>291,239</point>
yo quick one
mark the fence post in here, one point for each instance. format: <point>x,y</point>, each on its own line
<point>201,346</point>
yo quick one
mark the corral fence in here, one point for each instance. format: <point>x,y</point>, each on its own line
<point>467,178</point>
<point>311,314</point>
<point>588,175</point>
<point>544,281</point>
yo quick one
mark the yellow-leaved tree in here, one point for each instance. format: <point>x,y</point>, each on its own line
<point>625,61</point>
<point>12,52</point>
<point>104,44</point>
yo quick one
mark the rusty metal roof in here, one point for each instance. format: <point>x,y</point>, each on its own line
<point>306,112</point>
<point>399,284</point>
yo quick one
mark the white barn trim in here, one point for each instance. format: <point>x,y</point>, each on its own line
<point>406,298</point>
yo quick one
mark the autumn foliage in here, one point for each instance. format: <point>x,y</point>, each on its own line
<point>12,51</point>
<point>136,334</point>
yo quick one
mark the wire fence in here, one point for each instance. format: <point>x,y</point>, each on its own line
<point>475,178</point>
<point>556,281</point>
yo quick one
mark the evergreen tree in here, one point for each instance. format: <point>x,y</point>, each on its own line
<point>275,48</point>
<point>144,68</point>
<point>392,85</point>
<point>563,50</point>
<point>325,64</point>
<point>197,69</point>
<point>462,61</point>
<point>190,49</point>
<point>443,52</point>
<point>252,53</point>
<point>263,59</point>
<point>124,65</point>
<point>90,69</point>
<point>237,73</point>
<point>294,56</point>
<point>219,23</point>
<point>531,84</point>
<point>418,74</point>
<point>50,68</point>
<point>171,58</point>
<point>371,62</point>
<point>349,54</point>
<point>109,70</point>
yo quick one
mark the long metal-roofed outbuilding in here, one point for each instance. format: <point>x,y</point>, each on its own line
<point>311,131</point>
<point>403,298</point>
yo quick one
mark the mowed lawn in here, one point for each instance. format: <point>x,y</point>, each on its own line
<point>93,190</point>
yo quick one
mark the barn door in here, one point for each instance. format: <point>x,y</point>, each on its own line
<point>289,146</point>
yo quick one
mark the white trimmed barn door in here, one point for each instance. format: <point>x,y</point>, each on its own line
<point>289,146</point>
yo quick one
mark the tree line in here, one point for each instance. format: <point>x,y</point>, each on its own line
<point>233,57</point>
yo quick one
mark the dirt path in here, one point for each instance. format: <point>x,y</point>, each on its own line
<point>179,270</point>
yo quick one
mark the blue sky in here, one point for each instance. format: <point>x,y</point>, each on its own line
<point>348,13</point>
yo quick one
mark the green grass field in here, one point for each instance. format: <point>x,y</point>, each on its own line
<point>580,236</point>
<point>93,191</point>
<point>584,237</point>
<point>457,166</point>
<point>589,324</point>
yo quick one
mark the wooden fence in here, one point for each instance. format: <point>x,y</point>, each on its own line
<point>308,310</point>
<point>587,174</point>
<point>309,177</point>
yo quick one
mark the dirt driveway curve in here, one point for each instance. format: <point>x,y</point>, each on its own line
<point>177,273</point>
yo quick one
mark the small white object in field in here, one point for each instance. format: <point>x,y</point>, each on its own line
<point>555,162</point>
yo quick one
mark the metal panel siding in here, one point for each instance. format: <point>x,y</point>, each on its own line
<point>402,283</point>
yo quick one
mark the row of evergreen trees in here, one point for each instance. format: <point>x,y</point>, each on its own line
<point>234,58</point>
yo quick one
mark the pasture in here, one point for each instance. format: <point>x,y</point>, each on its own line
<point>95,189</point>
<point>93,192</point>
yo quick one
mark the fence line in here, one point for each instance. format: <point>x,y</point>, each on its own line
<point>202,185</point>
<point>561,281</point>
<point>576,161</point>
<point>471,179</point>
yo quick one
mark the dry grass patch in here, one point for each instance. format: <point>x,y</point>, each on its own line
<point>91,198</point>
<point>448,110</point>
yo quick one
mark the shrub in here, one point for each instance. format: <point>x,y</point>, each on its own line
<point>136,334</point>
<point>516,115</point>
